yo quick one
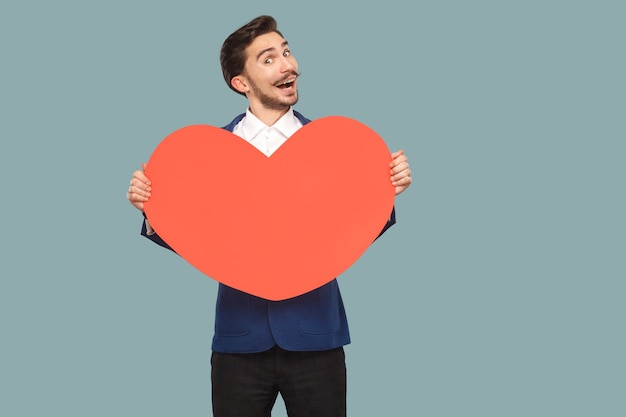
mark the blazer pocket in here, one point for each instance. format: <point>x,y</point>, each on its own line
<point>322,312</point>
<point>320,327</point>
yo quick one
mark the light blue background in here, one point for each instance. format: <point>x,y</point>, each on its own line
<point>499,293</point>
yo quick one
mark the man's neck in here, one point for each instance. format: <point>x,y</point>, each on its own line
<point>268,116</point>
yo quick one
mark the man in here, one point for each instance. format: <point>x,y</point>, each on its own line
<point>261,348</point>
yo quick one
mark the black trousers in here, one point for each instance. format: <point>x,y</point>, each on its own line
<point>312,384</point>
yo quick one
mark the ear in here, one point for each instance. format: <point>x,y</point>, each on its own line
<point>239,83</point>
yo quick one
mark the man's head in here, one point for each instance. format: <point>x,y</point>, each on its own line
<point>256,62</point>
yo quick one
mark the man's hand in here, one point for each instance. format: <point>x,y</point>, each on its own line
<point>400,172</point>
<point>139,190</point>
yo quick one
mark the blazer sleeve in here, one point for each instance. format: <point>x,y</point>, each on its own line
<point>390,222</point>
<point>154,237</point>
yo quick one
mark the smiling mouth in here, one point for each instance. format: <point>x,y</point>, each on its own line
<point>286,84</point>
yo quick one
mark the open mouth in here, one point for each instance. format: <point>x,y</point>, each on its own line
<point>286,84</point>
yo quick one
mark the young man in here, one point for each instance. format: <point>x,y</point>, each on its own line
<point>261,348</point>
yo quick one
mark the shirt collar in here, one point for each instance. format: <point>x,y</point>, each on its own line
<point>287,125</point>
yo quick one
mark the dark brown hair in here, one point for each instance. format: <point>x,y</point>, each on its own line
<point>233,53</point>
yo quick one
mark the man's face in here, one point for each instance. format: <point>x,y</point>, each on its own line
<point>270,73</point>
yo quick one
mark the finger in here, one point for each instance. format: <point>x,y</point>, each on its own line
<point>402,166</point>
<point>394,156</point>
<point>136,198</point>
<point>140,182</point>
<point>406,173</point>
<point>398,160</point>
<point>403,182</point>
<point>140,176</point>
<point>139,189</point>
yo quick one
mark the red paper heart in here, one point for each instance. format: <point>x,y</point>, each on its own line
<point>273,227</point>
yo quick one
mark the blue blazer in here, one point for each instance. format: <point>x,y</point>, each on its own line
<point>245,323</point>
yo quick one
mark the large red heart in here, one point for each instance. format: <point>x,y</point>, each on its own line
<point>273,227</point>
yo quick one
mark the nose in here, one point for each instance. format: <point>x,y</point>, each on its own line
<point>288,64</point>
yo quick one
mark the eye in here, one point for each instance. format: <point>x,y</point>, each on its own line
<point>269,60</point>
<point>287,53</point>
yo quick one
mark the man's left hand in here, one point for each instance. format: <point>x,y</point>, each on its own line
<point>400,172</point>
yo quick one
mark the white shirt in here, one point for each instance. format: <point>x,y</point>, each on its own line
<point>267,139</point>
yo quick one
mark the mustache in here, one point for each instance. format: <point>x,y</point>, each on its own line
<point>288,76</point>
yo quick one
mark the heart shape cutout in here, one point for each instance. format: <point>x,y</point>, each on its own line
<point>274,227</point>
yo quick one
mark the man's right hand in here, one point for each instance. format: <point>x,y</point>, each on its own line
<point>139,190</point>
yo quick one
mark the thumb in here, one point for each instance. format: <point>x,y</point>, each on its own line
<point>144,166</point>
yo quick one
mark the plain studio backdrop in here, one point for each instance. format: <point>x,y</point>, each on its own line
<point>498,293</point>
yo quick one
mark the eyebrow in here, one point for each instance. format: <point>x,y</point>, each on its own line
<point>270,50</point>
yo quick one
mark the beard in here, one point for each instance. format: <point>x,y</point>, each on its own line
<point>273,103</point>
